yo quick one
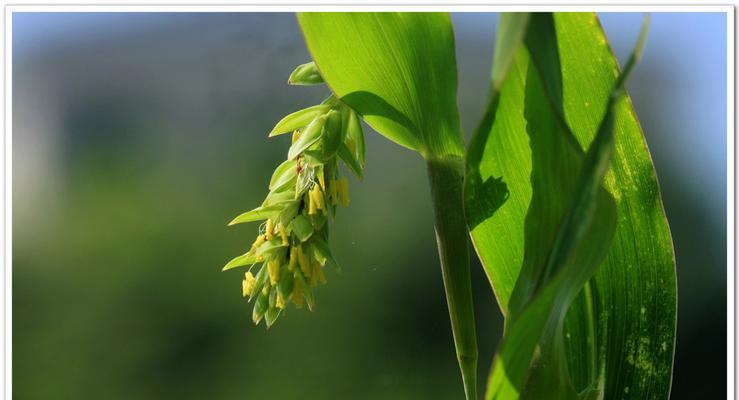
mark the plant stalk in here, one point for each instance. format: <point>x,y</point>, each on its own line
<point>446,179</point>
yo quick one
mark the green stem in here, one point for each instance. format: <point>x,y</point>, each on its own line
<point>446,177</point>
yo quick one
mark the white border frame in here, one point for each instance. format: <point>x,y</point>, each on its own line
<point>358,6</point>
<point>730,216</point>
<point>6,167</point>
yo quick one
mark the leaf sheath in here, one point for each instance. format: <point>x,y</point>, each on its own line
<point>445,177</point>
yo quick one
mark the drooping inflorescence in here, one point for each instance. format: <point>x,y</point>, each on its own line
<point>287,258</point>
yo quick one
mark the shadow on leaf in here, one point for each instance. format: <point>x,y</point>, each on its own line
<point>482,197</point>
<point>372,105</point>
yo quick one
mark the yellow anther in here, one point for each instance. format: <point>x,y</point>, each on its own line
<point>265,289</point>
<point>313,277</point>
<point>304,262</point>
<point>280,302</point>
<point>283,233</point>
<point>248,284</point>
<point>273,267</point>
<point>316,274</point>
<point>258,242</point>
<point>270,229</point>
<point>321,275</point>
<point>296,135</point>
<point>293,259</point>
<point>321,179</point>
<point>318,197</point>
<point>297,296</point>
<point>321,202</point>
<point>332,191</point>
<point>343,191</point>
<point>311,203</point>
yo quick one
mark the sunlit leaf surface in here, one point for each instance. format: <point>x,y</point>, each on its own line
<point>618,337</point>
<point>398,70</point>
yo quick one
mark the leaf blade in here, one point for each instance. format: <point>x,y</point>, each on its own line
<point>241,261</point>
<point>642,243</point>
<point>377,63</point>
<point>257,214</point>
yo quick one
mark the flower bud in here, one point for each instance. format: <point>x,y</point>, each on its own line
<point>305,75</point>
<point>303,191</point>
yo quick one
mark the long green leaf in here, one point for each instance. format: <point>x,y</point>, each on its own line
<point>397,70</point>
<point>617,338</point>
<point>511,31</point>
<point>568,230</point>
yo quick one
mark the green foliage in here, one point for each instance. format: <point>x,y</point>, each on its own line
<point>379,64</point>
<point>569,336</point>
<point>559,195</point>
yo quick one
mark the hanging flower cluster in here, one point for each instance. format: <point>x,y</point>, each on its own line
<point>290,252</point>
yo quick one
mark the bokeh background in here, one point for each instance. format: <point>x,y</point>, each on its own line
<point>137,137</point>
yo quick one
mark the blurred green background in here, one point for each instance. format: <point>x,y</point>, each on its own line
<point>137,137</point>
